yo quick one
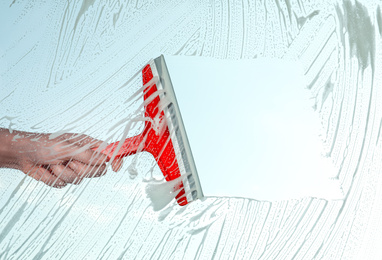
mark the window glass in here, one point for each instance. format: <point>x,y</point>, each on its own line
<point>75,67</point>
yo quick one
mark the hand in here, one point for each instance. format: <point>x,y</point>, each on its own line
<point>68,158</point>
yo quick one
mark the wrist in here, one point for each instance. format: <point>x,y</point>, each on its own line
<point>9,152</point>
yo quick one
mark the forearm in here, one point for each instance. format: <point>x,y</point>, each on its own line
<point>9,154</point>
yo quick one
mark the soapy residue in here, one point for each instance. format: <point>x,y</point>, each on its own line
<point>161,193</point>
<point>89,57</point>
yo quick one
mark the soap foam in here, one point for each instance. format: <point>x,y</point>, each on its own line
<point>163,192</point>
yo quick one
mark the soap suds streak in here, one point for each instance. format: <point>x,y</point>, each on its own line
<point>309,228</point>
<point>161,194</point>
<point>127,211</point>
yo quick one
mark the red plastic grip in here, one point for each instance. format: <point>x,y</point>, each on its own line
<point>157,142</point>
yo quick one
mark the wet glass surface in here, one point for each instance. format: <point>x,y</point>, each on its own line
<point>75,67</point>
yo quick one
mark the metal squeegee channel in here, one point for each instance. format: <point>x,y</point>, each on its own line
<point>178,134</point>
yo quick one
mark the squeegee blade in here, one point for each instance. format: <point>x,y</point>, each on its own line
<point>187,167</point>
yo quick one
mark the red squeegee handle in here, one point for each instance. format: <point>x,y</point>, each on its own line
<point>165,160</point>
<point>129,147</point>
<point>160,146</point>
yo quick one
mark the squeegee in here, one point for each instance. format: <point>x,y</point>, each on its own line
<point>164,134</point>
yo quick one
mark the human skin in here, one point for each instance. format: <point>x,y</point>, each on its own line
<point>53,160</point>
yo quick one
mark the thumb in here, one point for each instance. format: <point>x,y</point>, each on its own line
<point>116,164</point>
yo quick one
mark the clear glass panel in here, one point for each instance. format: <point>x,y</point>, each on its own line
<point>74,67</point>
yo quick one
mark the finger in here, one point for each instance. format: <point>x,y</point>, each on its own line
<point>42,174</point>
<point>116,164</point>
<point>87,171</point>
<point>84,140</point>
<point>90,157</point>
<point>78,147</point>
<point>65,173</point>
